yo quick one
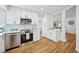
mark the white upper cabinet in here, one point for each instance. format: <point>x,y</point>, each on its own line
<point>3,7</point>
<point>13,15</point>
<point>34,17</point>
<point>23,13</point>
<point>2,16</point>
<point>50,22</point>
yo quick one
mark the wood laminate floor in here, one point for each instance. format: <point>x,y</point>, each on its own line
<point>45,45</point>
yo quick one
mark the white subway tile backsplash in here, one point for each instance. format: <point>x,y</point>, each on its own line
<point>10,27</point>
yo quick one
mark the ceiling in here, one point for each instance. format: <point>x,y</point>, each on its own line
<point>43,9</point>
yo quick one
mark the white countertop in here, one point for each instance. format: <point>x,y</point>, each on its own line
<point>19,31</point>
<point>9,32</point>
<point>1,34</point>
<point>58,29</point>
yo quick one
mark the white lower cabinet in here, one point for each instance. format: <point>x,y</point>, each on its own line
<point>54,35</point>
<point>36,35</point>
<point>58,35</point>
<point>2,43</point>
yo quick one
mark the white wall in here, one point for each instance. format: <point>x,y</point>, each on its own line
<point>63,36</point>
<point>71,16</point>
<point>77,28</point>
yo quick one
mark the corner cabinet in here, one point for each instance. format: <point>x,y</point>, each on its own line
<point>2,43</point>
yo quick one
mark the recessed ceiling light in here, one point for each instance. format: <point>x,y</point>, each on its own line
<point>42,9</point>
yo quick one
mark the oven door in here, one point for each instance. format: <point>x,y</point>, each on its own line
<point>27,37</point>
<point>23,38</point>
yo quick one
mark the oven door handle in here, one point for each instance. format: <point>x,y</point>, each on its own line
<point>27,36</point>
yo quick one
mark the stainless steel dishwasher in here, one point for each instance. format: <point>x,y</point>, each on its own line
<point>12,40</point>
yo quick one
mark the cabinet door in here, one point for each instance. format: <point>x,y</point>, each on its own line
<point>53,35</point>
<point>14,40</point>
<point>2,16</point>
<point>13,16</point>
<point>34,35</point>
<point>10,17</point>
<point>17,39</point>
<point>58,35</point>
<point>7,42</point>
<point>2,47</point>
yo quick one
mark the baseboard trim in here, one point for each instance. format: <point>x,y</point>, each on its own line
<point>77,51</point>
<point>50,39</point>
<point>71,33</point>
<point>55,40</point>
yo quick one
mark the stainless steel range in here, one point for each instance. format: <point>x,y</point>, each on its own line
<point>26,36</point>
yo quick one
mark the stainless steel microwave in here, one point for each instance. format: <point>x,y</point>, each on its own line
<point>25,21</point>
